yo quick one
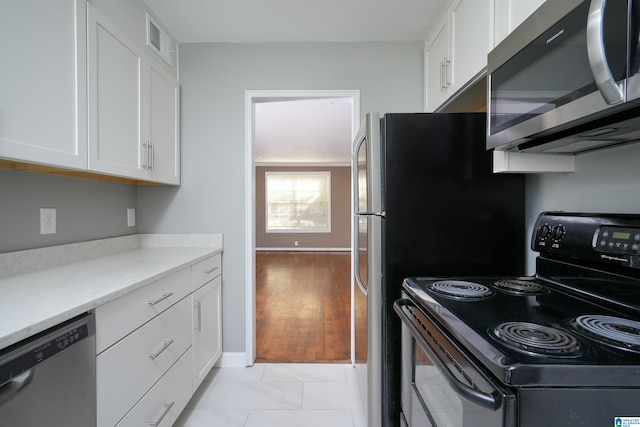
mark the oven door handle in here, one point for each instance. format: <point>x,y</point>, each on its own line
<point>485,400</point>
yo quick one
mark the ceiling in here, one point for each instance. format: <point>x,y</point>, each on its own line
<point>300,131</point>
<point>304,131</point>
<point>297,20</point>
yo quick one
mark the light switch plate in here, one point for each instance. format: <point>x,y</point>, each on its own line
<point>47,220</point>
<point>131,217</point>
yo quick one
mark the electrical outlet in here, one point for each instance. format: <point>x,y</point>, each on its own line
<point>295,243</point>
<point>131,217</point>
<point>47,220</point>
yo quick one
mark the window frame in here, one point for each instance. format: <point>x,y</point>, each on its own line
<point>326,174</point>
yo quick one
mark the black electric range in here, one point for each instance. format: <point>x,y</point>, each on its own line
<point>567,336</point>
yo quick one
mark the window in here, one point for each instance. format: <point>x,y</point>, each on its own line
<point>298,201</point>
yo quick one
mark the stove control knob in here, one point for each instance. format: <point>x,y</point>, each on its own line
<point>557,232</point>
<point>543,231</point>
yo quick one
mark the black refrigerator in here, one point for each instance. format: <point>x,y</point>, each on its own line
<point>426,203</point>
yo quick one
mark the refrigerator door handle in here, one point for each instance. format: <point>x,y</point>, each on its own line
<point>354,171</point>
<point>356,255</point>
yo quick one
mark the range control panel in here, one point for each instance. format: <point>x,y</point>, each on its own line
<point>617,240</point>
<point>603,238</point>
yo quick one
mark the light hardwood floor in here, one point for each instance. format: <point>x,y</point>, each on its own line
<point>303,307</point>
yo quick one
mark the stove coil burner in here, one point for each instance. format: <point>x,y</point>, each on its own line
<point>537,339</point>
<point>525,287</point>
<point>613,330</point>
<point>460,289</point>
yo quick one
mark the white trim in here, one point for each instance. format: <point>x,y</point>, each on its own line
<point>299,249</point>
<point>250,234</point>
<point>304,165</point>
<point>232,360</point>
<point>251,97</point>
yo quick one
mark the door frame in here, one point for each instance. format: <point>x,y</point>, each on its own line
<point>253,97</point>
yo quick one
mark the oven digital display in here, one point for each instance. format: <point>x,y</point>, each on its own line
<point>621,235</point>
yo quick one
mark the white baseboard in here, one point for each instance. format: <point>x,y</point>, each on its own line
<point>232,360</point>
<point>298,249</point>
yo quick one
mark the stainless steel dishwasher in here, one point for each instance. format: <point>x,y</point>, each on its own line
<point>50,379</point>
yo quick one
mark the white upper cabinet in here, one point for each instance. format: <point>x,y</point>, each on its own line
<point>115,99</point>
<point>43,85</point>
<point>456,50</point>
<point>163,126</point>
<point>470,44</point>
<point>509,14</point>
<point>133,107</point>
<point>437,65</point>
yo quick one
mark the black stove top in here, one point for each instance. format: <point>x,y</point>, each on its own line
<point>576,322</point>
<point>529,332</point>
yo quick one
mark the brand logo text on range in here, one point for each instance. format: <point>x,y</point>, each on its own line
<point>615,258</point>
<point>555,36</point>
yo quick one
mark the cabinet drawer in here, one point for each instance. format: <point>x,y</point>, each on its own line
<point>121,316</point>
<point>127,370</point>
<point>164,402</point>
<point>205,270</point>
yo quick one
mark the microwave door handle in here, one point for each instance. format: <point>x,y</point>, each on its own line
<point>611,91</point>
<point>485,400</point>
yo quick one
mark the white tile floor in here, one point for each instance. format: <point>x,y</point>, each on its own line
<point>282,395</point>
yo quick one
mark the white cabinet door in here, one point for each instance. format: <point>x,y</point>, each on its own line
<point>43,84</point>
<point>511,13</point>
<point>207,329</point>
<point>470,44</point>
<point>163,136</point>
<point>115,100</point>
<point>437,65</point>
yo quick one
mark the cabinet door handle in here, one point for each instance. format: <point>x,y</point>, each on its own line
<point>447,81</point>
<point>152,159</point>
<point>198,306</point>
<point>165,345</point>
<point>441,75</point>
<point>145,155</point>
<point>162,298</point>
<point>211,270</point>
<point>167,408</point>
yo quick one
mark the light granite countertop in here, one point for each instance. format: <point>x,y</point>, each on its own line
<point>44,287</point>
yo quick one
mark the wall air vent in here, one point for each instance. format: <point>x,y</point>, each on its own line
<point>158,40</point>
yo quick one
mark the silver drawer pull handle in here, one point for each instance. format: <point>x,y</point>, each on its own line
<point>198,306</point>
<point>211,270</point>
<point>167,408</point>
<point>162,298</point>
<point>165,345</point>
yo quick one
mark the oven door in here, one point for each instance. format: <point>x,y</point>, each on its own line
<point>441,385</point>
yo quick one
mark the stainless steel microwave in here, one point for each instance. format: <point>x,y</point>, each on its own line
<point>567,79</point>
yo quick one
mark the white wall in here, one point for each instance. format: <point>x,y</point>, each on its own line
<point>604,181</point>
<point>214,78</point>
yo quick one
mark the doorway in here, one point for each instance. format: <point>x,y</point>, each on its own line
<point>251,99</point>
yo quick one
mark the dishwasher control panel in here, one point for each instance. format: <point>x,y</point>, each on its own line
<point>20,357</point>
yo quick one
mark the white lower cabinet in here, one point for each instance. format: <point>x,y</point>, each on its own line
<point>127,370</point>
<point>156,344</point>
<point>162,405</point>
<point>207,329</point>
